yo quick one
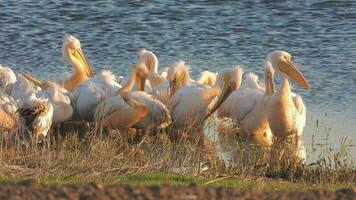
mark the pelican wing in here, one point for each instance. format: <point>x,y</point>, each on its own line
<point>300,113</point>
<point>158,114</point>
<point>239,104</point>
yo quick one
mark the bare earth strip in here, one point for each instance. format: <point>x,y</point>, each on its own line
<point>29,190</point>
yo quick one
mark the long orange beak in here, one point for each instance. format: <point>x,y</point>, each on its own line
<point>78,53</point>
<point>226,91</point>
<point>35,81</point>
<point>293,72</point>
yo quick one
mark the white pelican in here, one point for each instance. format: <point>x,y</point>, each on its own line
<point>151,62</point>
<point>8,118</point>
<point>35,117</point>
<point>181,71</point>
<point>189,104</point>
<point>35,113</point>
<point>73,53</point>
<point>157,114</point>
<point>247,108</point>
<point>121,110</point>
<point>91,92</point>
<point>286,111</point>
<point>59,97</point>
<point>206,78</point>
<point>252,81</point>
<point>19,102</point>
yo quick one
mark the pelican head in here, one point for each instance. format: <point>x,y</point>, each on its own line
<point>73,53</point>
<point>228,80</point>
<point>141,73</point>
<point>282,63</point>
<point>269,75</point>
<point>207,78</point>
<point>150,59</point>
<point>178,76</point>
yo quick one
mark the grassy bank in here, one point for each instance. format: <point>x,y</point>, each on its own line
<point>150,179</point>
<point>137,158</point>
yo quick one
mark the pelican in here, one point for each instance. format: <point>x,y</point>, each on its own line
<point>59,97</point>
<point>181,70</point>
<point>35,113</point>
<point>247,108</point>
<point>8,120</point>
<point>161,91</point>
<point>286,112</point>
<point>252,81</point>
<point>189,104</point>
<point>157,114</point>
<point>73,53</point>
<point>206,78</point>
<point>88,95</point>
<point>121,110</point>
<point>151,61</point>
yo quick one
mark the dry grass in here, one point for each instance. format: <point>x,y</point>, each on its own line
<point>89,155</point>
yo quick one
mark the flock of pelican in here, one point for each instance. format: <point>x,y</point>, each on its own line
<point>153,98</point>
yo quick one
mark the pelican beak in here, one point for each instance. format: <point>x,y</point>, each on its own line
<point>36,81</point>
<point>293,72</point>
<point>141,83</point>
<point>270,87</point>
<point>78,53</point>
<point>226,91</point>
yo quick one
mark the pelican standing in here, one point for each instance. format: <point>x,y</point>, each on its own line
<point>286,112</point>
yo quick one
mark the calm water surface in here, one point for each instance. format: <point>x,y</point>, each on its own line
<point>321,36</point>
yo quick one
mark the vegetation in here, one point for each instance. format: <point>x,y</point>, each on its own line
<point>141,158</point>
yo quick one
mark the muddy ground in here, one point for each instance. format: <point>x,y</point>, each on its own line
<point>30,190</point>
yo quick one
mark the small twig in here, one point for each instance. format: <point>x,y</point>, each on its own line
<point>216,180</point>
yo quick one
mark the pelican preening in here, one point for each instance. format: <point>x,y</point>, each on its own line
<point>190,104</point>
<point>122,104</point>
<point>246,108</point>
<point>264,115</point>
<point>20,102</point>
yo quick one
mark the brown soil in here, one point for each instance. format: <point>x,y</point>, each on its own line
<point>30,190</point>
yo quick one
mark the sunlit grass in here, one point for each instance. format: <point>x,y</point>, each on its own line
<point>125,157</point>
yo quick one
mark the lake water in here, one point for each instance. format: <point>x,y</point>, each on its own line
<point>320,35</point>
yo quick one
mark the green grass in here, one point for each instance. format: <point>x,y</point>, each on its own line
<point>150,179</point>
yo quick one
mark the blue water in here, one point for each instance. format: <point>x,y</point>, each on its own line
<point>320,35</point>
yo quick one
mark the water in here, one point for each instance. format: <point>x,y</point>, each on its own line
<point>211,35</point>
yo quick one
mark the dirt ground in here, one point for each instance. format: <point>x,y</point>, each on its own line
<point>30,190</point>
